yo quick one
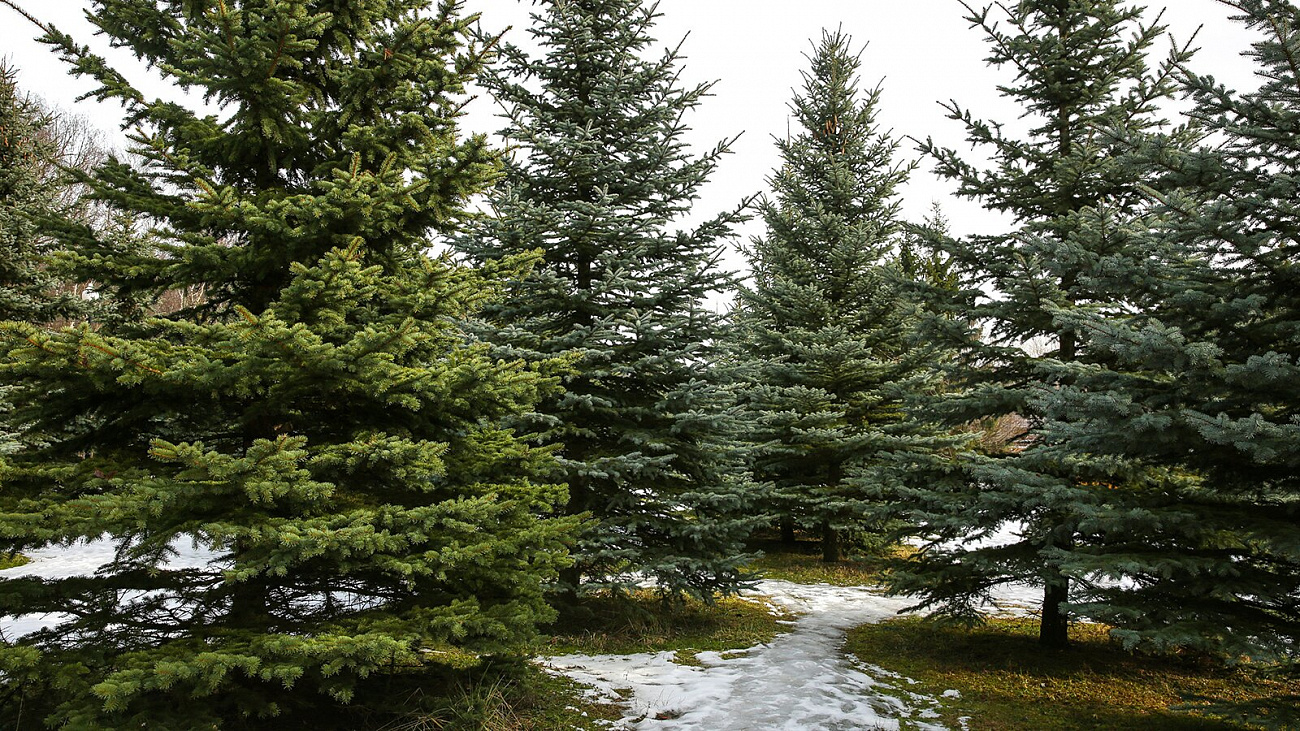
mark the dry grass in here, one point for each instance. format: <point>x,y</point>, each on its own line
<point>802,564</point>
<point>1008,683</point>
<point>13,560</point>
<point>643,622</point>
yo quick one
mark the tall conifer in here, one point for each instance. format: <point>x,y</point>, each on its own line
<point>1081,74</point>
<point>317,422</point>
<point>1194,420</point>
<point>824,325</point>
<point>600,181</point>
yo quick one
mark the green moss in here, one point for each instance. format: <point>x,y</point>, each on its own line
<point>1007,682</point>
<point>643,622</point>
<point>12,560</point>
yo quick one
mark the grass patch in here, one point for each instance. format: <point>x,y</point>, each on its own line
<point>802,564</point>
<point>509,695</point>
<point>642,622</point>
<point>1008,683</point>
<point>13,560</point>
<point>541,701</point>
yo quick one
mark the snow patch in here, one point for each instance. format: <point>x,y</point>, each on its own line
<point>84,558</point>
<point>801,681</point>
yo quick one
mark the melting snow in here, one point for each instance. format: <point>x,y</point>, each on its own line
<point>800,681</point>
<point>82,559</point>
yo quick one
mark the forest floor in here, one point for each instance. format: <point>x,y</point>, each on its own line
<point>801,679</point>
<point>848,660</point>
<point>813,647</point>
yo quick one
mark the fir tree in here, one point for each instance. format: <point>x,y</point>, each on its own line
<point>1194,421</point>
<point>600,176</point>
<point>1081,76</point>
<point>824,324</point>
<point>28,285</point>
<point>318,422</point>
<point>922,258</point>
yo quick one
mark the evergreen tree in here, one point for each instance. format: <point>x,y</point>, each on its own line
<point>600,176</point>
<point>319,423</point>
<point>824,324</point>
<point>922,258</point>
<point>1194,421</point>
<point>28,286</point>
<point>1081,77</point>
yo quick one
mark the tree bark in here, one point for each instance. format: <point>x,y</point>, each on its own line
<point>787,531</point>
<point>1054,630</point>
<point>830,544</point>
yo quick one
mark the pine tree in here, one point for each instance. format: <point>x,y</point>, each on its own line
<point>923,260</point>
<point>28,286</point>
<point>1081,77</point>
<point>1194,420</point>
<point>824,323</point>
<point>319,423</point>
<point>600,177</point>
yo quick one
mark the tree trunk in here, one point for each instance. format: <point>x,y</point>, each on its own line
<point>570,579</point>
<point>830,544</point>
<point>1054,630</point>
<point>249,606</point>
<point>787,531</point>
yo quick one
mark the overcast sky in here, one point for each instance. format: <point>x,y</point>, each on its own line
<point>922,51</point>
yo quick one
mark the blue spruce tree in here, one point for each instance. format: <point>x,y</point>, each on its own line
<point>1192,418</point>
<point>599,180</point>
<point>825,328</point>
<point>1081,77</point>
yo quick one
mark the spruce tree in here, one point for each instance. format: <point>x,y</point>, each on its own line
<point>319,423</point>
<point>923,260</point>
<point>1081,76</point>
<point>1194,420</point>
<point>28,285</point>
<point>599,181</point>
<point>824,324</point>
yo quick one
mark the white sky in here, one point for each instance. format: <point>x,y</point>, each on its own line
<point>922,50</point>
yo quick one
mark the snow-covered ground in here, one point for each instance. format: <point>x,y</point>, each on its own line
<point>82,559</point>
<point>801,681</point>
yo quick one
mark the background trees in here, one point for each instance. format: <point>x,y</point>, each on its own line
<point>599,178</point>
<point>29,192</point>
<point>824,326</point>
<point>317,425</point>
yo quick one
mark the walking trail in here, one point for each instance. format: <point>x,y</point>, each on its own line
<point>800,681</point>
